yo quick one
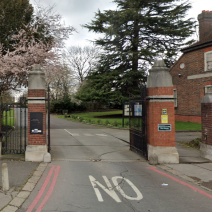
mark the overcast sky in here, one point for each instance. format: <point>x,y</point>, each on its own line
<point>78,12</point>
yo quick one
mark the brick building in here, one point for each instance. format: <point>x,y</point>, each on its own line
<point>192,73</point>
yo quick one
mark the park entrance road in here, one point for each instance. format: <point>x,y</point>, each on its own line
<point>93,171</point>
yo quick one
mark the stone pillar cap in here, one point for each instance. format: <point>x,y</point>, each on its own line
<point>36,69</point>
<point>36,78</point>
<point>159,75</point>
<point>159,65</point>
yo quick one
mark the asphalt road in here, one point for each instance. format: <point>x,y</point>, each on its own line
<point>93,171</point>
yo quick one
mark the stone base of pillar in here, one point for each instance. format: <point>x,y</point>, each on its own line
<point>206,151</point>
<point>164,154</point>
<point>35,153</point>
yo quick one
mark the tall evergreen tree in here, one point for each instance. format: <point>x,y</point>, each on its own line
<point>133,35</point>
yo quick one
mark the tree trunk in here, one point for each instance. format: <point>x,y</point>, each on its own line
<point>134,57</point>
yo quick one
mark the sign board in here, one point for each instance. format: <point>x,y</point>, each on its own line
<point>126,109</point>
<point>36,123</point>
<point>137,109</point>
<point>164,127</point>
<point>164,111</point>
<point>164,119</point>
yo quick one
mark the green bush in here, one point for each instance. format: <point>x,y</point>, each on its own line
<point>107,122</point>
<point>65,103</point>
<point>80,119</point>
<point>115,123</point>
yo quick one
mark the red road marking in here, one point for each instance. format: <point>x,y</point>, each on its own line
<point>181,182</point>
<point>43,188</point>
<point>51,188</point>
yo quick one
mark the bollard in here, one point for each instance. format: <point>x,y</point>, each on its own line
<point>5,178</point>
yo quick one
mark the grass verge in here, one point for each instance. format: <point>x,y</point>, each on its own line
<point>92,118</point>
<point>180,125</point>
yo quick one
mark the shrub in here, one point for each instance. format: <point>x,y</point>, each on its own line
<point>115,123</point>
<point>80,119</point>
<point>107,122</point>
<point>74,117</point>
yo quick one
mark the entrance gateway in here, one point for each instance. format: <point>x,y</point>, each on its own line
<point>152,118</point>
<point>23,125</point>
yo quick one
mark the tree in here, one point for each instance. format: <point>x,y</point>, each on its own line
<point>14,15</point>
<point>62,84</point>
<point>81,60</point>
<point>133,35</point>
<point>39,42</point>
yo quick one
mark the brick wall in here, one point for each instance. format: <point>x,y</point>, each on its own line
<point>36,93</point>
<point>196,119</point>
<point>155,137</point>
<point>154,112</point>
<point>37,139</point>
<point>190,91</point>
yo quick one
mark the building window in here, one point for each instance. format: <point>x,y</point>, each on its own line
<point>208,89</point>
<point>175,97</point>
<point>208,61</point>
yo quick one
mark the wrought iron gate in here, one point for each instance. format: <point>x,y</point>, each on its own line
<point>14,127</point>
<point>137,108</point>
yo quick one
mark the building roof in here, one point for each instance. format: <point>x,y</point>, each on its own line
<point>200,44</point>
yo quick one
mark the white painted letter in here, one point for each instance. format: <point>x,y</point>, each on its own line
<point>109,191</point>
<point>139,195</point>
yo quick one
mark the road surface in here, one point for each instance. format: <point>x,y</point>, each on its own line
<point>93,171</point>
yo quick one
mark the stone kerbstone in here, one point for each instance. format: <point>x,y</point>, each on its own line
<point>17,201</point>
<point>10,208</point>
<point>29,187</point>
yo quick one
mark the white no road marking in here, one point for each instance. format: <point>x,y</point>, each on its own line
<point>110,190</point>
<point>117,185</point>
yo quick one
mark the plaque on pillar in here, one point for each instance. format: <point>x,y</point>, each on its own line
<point>36,123</point>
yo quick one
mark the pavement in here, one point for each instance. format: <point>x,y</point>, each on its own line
<point>23,176</point>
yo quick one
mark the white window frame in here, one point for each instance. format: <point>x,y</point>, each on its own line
<point>208,89</point>
<point>205,60</point>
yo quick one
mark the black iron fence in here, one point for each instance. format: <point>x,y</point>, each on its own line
<point>14,126</point>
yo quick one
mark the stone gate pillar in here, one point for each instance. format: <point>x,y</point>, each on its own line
<point>36,148</point>
<point>206,113</point>
<point>161,115</point>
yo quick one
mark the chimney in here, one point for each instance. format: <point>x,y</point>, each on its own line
<point>205,24</point>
